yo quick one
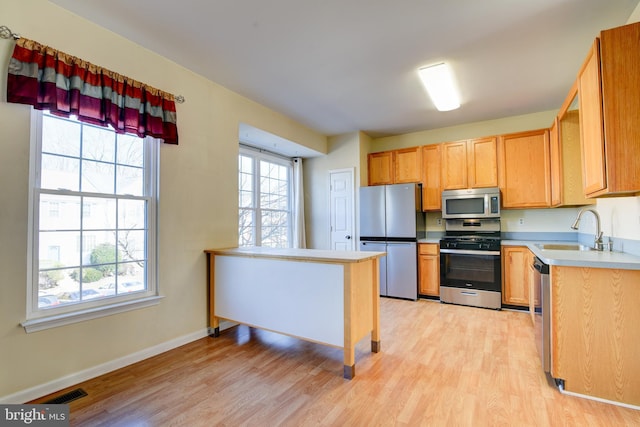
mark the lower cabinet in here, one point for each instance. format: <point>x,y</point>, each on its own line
<point>516,275</point>
<point>595,341</point>
<point>429,269</point>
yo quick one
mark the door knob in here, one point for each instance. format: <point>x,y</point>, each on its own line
<point>347,237</point>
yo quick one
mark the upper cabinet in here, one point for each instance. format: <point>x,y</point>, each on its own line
<point>395,167</point>
<point>524,164</point>
<point>470,164</point>
<point>407,165</point>
<point>564,147</point>
<point>380,168</point>
<point>454,165</point>
<point>482,162</point>
<point>431,182</point>
<point>609,98</point>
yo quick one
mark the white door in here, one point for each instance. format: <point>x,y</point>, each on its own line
<point>341,195</point>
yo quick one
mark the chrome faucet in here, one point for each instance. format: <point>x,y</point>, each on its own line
<point>597,243</point>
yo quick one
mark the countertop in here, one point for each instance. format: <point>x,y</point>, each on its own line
<point>594,259</point>
<point>311,255</point>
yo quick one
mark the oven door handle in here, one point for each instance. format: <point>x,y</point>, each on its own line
<point>469,252</point>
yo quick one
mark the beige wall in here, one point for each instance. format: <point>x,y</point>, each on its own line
<point>470,130</point>
<point>344,151</point>
<point>198,202</point>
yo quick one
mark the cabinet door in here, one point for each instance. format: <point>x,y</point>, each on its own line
<point>407,165</point>
<point>566,162</point>
<point>380,166</point>
<point>516,273</point>
<point>610,95</point>
<point>524,161</point>
<point>591,122</point>
<point>431,169</point>
<point>555,163</point>
<point>429,269</point>
<point>482,162</point>
<point>454,165</point>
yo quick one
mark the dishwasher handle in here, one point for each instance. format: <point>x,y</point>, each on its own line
<point>539,265</point>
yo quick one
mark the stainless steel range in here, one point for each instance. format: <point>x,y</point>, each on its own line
<point>470,270</point>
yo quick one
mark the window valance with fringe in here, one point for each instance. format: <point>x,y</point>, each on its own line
<point>51,80</point>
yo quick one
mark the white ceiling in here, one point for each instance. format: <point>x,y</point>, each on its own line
<point>344,65</point>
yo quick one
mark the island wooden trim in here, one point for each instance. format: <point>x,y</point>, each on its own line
<point>306,255</point>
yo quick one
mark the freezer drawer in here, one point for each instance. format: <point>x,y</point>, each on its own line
<point>378,247</point>
<point>402,270</point>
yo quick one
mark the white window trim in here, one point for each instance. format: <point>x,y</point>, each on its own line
<point>259,154</point>
<point>56,320</point>
<point>37,320</point>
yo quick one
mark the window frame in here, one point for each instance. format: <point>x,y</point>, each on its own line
<point>257,155</point>
<point>44,318</point>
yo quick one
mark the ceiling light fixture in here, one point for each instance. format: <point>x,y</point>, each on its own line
<point>438,80</point>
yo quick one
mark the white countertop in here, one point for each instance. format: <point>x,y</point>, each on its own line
<point>594,259</point>
<point>313,255</point>
<point>429,240</point>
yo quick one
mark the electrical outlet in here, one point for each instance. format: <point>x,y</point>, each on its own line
<point>439,221</point>
<point>521,221</point>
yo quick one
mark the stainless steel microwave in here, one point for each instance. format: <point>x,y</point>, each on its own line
<point>471,203</point>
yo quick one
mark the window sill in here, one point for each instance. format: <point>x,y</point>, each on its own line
<point>48,322</point>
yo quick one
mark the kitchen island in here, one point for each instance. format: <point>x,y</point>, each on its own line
<point>328,297</point>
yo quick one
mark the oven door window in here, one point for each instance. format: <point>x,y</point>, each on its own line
<point>470,271</point>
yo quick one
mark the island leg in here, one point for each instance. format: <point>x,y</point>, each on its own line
<point>349,368</point>
<point>375,304</point>
<point>214,322</point>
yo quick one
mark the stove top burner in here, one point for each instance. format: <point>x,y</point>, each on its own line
<point>471,238</point>
<point>480,241</point>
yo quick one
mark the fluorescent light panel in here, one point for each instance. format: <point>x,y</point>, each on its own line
<point>438,80</point>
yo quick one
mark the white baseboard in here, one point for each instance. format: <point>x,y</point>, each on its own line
<point>78,377</point>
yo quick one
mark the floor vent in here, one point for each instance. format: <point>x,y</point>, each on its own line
<point>67,397</point>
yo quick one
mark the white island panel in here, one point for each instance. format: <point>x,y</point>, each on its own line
<point>302,299</point>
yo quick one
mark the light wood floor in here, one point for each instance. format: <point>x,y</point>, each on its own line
<point>440,365</point>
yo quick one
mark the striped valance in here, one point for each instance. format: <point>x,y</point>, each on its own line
<point>65,85</point>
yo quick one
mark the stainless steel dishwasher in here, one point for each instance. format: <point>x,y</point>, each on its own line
<point>543,312</point>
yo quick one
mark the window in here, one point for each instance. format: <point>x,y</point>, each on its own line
<point>265,199</point>
<point>93,212</point>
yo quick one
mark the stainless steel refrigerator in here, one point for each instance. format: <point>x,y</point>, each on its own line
<point>392,221</point>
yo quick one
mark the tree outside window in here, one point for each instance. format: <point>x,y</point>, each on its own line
<point>101,187</point>
<point>264,200</point>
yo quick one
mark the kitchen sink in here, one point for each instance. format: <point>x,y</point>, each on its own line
<point>564,247</point>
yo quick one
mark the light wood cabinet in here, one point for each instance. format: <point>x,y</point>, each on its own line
<point>407,165</point>
<point>470,164</point>
<point>595,341</point>
<point>609,95</point>
<point>564,148</point>
<point>431,183</point>
<point>516,275</point>
<point>555,164</point>
<point>524,165</point>
<point>395,167</point>
<point>482,162</point>
<point>429,269</point>
<point>454,165</point>
<point>380,168</point>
